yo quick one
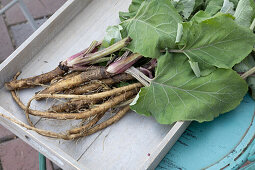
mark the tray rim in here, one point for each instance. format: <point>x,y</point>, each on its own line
<point>49,29</point>
<point>58,156</point>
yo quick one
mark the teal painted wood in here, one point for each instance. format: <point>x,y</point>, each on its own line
<point>42,162</point>
<point>249,167</point>
<point>227,142</point>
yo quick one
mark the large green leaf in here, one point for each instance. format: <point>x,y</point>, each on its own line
<point>218,41</point>
<point>200,16</point>
<point>245,12</point>
<point>132,10</point>
<point>177,94</point>
<point>214,6</point>
<point>184,7</point>
<point>153,28</point>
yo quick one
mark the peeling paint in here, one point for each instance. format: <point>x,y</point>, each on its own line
<point>225,143</point>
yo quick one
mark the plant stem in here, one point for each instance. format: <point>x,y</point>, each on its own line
<point>70,61</point>
<point>252,25</point>
<point>172,51</point>
<point>248,73</point>
<point>175,51</point>
<point>101,60</point>
<point>123,64</point>
<point>139,76</point>
<point>113,48</point>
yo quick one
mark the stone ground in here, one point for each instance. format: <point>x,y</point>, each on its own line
<point>14,30</point>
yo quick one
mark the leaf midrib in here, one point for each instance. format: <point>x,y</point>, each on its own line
<point>192,90</point>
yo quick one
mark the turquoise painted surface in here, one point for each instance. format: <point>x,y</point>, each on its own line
<point>224,142</point>
<point>249,167</point>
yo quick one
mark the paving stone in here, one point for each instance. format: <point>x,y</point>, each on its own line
<point>37,8</point>
<point>17,155</point>
<point>6,47</point>
<point>53,5</point>
<point>21,32</point>
<point>14,14</point>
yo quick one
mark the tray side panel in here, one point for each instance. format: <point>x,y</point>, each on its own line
<point>165,145</point>
<point>43,35</point>
<point>41,144</point>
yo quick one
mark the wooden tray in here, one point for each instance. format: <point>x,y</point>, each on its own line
<point>135,142</point>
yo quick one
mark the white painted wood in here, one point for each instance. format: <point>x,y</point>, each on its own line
<point>124,145</point>
<point>165,145</point>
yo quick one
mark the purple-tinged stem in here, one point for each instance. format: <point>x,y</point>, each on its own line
<point>71,61</point>
<point>102,53</point>
<point>123,64</point>
<point>146,72</point>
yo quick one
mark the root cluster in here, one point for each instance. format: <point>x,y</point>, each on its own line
<point>86,95</point>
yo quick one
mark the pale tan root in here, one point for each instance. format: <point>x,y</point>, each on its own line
<point>40,131</point>
<point>34,81</point>
<point>109,122</point>
<point>91,97</point>
<point>68,75</point>
<point>84,99</point>
<point>90,87</point>
<point>51,114</point>
<point>105,124</point>
<point>46,77</point>
<point>82,115</point>
<point>71,105</point>
<point>19,102</point>
<point>75,73</point>
<point>95,129</point>
<point>98,73</point>
<point>87,126</point>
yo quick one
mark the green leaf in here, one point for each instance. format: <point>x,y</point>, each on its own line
<point>184,7</point>
<point>218,41</point>
<point>112,36</point>
<point>113,32</point>
<point>228,7</point>
<point>153,28</point>
<point>179,33</point>
<point>214,6</point>
<point>198,4</point>
<point>194,66</point>
<point>176,94</point>
<point>132,10</point>
<point>200,16</point>
<point>245,12</point>
<point>244,66</point>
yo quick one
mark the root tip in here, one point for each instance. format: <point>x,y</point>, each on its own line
<point>8,86</point>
